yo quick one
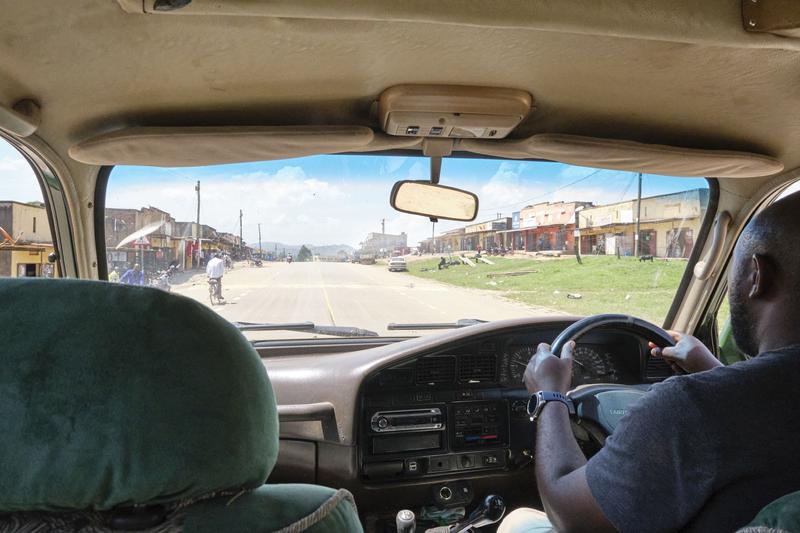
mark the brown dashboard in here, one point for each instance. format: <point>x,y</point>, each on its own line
<point>462,409</point>
<point>400,422</point>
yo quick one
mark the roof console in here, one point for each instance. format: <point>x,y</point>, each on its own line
<point>452,111</point>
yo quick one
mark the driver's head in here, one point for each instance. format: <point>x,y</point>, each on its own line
<point>764,281</point>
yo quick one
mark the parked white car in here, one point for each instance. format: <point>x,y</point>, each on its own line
<point>397,264</point>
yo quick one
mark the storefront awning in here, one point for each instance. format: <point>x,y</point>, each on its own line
<point>136,235</point>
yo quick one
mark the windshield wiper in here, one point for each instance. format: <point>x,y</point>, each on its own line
<point>460,323</point>
<point>338,331</point>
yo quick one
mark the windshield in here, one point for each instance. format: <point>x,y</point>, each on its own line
<point>304,245</point>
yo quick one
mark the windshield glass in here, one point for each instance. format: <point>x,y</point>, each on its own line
<point>306,243</point>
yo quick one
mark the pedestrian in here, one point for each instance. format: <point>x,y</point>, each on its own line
<point>113,276</point>
<point>133,276</point>
<point>215,269</point>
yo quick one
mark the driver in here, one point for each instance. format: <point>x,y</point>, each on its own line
<point>699,452</point>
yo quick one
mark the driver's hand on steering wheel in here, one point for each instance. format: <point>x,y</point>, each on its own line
<point>546,372</point>
<point>688,354</point>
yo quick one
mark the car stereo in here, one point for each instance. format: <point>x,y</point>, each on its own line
<point>436,439</point>
<point>407,420</point>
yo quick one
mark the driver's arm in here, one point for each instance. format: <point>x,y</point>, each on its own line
<point>560,463</point>
<point>654,473</point>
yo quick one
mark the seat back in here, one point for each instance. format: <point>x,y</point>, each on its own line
<point>115,396</point>
<point>780,516</point>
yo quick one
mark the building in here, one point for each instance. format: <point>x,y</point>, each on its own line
<point>486,235</point>
<point>383,244</point>
<point>451,241</point>
<point>546,226</point>
<point>668,226</point>
<point>25,240</point>
<point>154,251</point>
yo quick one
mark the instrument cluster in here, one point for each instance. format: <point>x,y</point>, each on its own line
<point>592,363</point>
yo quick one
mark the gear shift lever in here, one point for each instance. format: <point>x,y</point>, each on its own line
<point>405,521</point>
<point>491,510</point>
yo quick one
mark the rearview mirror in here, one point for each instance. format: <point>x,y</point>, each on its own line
<point>434,200</point>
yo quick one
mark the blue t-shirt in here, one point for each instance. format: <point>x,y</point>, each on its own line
<point>133,277</point>
<point>704,452</point>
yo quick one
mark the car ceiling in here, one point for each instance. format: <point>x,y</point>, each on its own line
<point>670,72</point>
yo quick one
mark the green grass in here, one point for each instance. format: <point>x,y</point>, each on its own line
<point>606,284</point>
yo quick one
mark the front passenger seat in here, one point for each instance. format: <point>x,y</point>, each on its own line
<point>129,408</point>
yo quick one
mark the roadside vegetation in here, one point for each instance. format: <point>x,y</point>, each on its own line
<point>599,285</point>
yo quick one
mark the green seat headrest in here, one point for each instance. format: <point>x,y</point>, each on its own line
<point>113,395</point>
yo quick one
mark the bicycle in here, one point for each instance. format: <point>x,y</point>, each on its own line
<point>214,291</point>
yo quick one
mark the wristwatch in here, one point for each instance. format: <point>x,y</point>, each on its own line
<point>538,399</point>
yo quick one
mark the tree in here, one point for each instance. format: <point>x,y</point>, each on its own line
<point>304,254</point>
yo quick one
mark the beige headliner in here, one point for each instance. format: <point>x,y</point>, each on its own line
<point>676,72</point>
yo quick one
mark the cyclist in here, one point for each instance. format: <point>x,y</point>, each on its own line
<point>215,269</point>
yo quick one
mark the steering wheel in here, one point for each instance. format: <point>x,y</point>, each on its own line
<point>602,406</point>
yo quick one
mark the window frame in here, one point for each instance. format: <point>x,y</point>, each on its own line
<point>707,330</point>
<point>59,219</point>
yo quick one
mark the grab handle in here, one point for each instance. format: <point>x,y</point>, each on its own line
<point>704,268</point>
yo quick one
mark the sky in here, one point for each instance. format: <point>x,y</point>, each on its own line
<point>338,199</point>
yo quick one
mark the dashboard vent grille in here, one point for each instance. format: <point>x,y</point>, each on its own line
<point>479,367</point>
<point>436,369</point>
<point>657,369</point>
<point>395,377</point>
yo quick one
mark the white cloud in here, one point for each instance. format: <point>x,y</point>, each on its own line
<point>506,189</point>
<point>17,180</point>
<point>418,171</point>
<point>291,206</point>
<point>392,164</point>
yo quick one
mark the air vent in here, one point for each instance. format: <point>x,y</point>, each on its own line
<point>477,368</point>
<point>396,377</point>
<point>657,369</point>
<point>436,369</point>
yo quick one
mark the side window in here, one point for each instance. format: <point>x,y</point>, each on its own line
<point>728,351</point>
<point>25,240</point>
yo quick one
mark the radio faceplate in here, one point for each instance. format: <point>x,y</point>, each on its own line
<point>407,420</point>
<point>436,440</point>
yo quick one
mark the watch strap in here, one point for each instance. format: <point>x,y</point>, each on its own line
<point>539,399</point>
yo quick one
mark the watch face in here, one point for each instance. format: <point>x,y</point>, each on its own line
<point>532,403</point>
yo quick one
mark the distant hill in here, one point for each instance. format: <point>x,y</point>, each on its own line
<point>324,250</point>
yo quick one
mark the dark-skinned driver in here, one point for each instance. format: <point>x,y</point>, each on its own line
<point>699,452</point>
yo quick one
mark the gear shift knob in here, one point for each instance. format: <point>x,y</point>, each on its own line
<point>405,521</point>
<point>495,508</point>
<point>491,510</point>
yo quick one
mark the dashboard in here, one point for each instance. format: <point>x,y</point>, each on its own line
<point>462,409</point>
<point>434,420</point>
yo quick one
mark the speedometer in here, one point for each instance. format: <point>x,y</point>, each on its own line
<point>589,365</point>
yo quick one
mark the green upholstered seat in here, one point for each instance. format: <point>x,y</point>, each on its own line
<point>114,396</point>
<point>782,515</point>
<point>287,508</point>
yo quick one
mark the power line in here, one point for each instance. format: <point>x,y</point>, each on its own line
<point>584,178</point>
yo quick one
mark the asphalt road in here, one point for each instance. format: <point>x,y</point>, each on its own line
<point>345,294</point>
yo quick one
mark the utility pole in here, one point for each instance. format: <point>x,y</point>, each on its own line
<point>433,236</point>
<point>241,241</point>
<point>636,238</point>
<point>576,237</point>
<point>383,226</point>
<point>199,228</point>
<point>259,238</point>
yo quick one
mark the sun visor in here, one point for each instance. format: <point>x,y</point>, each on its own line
<point>198,146</point>
<point>628,155</point>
